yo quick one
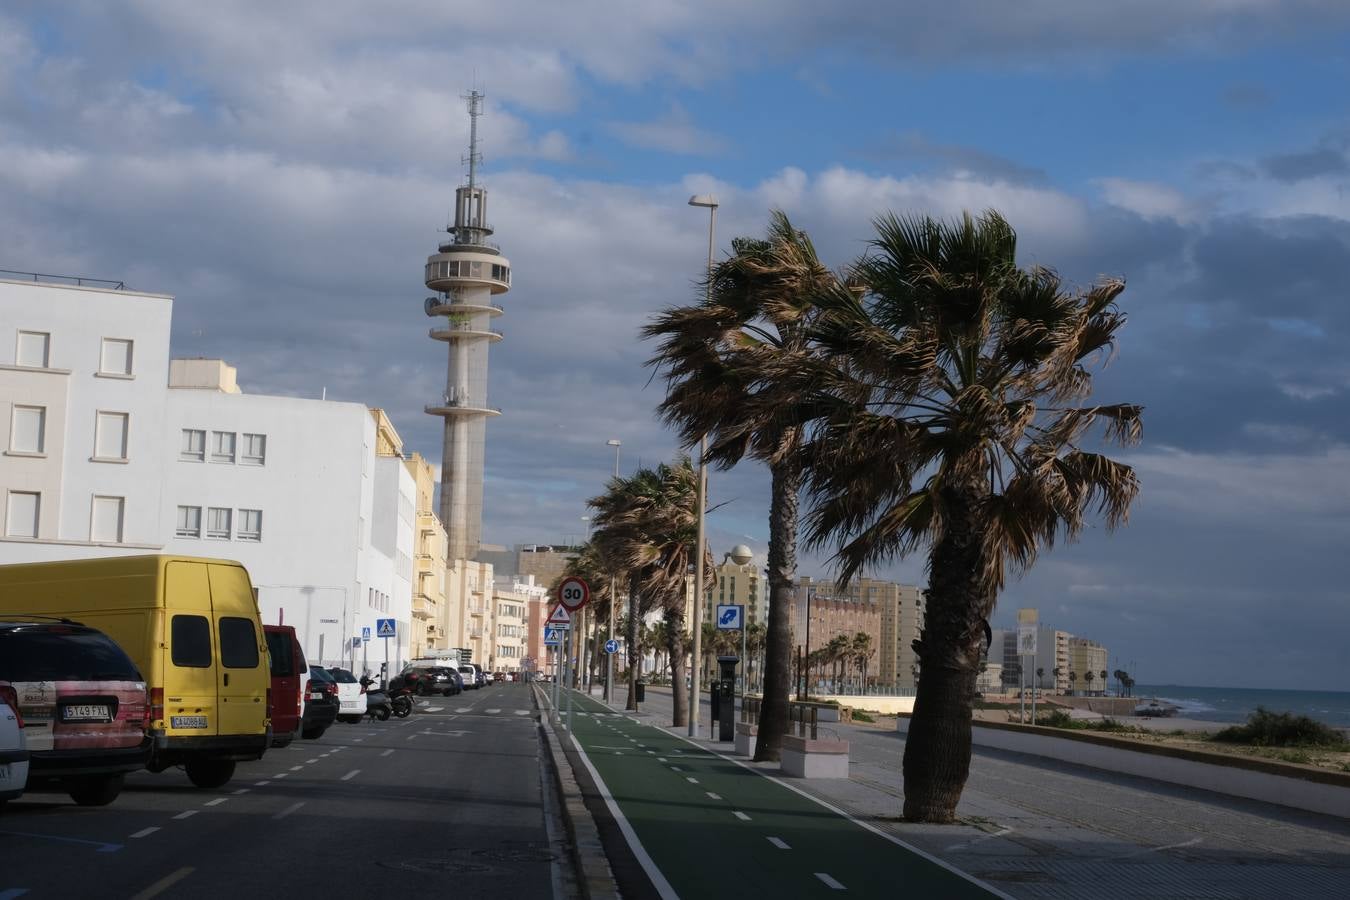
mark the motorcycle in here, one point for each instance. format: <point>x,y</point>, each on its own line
<point>378,704</point>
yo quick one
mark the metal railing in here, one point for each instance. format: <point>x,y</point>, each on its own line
<point>804,714</point>
<point>65,279</point>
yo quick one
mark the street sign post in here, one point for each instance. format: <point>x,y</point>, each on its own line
<point>574,593</point>
<point>611,646</point>
<point>552,636</point>
<point>384,630</point>
<point>560,617</point>
<point>730,617</point>
<point>365,634</point>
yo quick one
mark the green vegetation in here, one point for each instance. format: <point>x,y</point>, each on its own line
<point>1269,729</point>
<point>860,716</point>
<point>1294,756</point>
<point>1061,719</point>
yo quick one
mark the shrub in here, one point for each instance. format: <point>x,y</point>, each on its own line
<point>860,716</point>
<point>1268,729</point>
<point>1294,756</point>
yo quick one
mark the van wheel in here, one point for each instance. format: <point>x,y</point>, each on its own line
<point>210,773</point>
<point>96,790</point>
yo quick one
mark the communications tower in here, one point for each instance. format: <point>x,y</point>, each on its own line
<point>467,272</point>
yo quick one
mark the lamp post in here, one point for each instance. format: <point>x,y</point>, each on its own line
<point>613,599</point>
<point>804,673</point>
<point>708,202</point>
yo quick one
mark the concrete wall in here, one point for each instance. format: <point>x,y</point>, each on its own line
<point>1252,779</point>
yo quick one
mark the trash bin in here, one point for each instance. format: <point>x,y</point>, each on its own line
<point>640,691</point>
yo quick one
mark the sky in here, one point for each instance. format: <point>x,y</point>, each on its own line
<point>283,170</point>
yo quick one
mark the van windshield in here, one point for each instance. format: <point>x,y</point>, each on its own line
<point>59,653</point>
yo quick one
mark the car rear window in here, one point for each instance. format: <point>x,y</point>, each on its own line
<point>281,649</point>
<point>61,653</point>
<point>317,674</point>
<point>238,643</point>
<point>190,642</point>
<point>342,676</point>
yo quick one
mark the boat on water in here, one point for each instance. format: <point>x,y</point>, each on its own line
<point>1155,709</point>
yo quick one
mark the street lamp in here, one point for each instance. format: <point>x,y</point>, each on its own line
<point>708,202</point>
<point>613,598</point>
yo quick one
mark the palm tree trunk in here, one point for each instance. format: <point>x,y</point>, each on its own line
<point>937,748</point>
<point>773,711</point>
<point>675,655</point>
<point>634,650</point>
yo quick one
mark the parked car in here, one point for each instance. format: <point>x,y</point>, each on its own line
<point>83,704</point>
<point>13,748</point>
<point>481,676</point>
<point>286,663</point>
<point>352,699</point>
<point>470,676</point>
<point>191,628</point>
<point>498,676</point>
<point>424,680</point>
<point>321,704</point>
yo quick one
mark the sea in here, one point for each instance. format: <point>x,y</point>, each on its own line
<point>1219,704</point>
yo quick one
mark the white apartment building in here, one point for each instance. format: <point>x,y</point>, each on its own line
<point>111,449</point>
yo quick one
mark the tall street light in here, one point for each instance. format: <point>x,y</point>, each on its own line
<point>613,600</point>
<point>709,202</point>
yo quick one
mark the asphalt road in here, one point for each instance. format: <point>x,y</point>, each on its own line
<point>447,801</point>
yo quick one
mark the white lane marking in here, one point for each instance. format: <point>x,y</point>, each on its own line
<point>187,814</point>
<point>652,752</point>
<point>691,780</point>
<point>359,740</point>
<point>309,761</point>
<point>145,832</point>
<point>435,708</point>
<point>296,768</point>
<point>713,796</point>
<point>241,791</point>
<point>830,882</point>
<point>1189,843</point>
<point>288,810</point>
<point>282,775</point>
<point>740,815</point>
<point>350,775</point>
<point>980,839</point>
<point>779,843</point>
<point>493,712</point>
<point>163,884</point>
<point>660,759</point>
<point>464,709</point>
<point>676,769</point>
<point>522,712</point>
<point>215,802</point>
<point>387,752</point>
<point>261,783</point>
<point>322,755</point>
<point>411,736</point>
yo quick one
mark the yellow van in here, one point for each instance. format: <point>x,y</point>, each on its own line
<point>191,626</point>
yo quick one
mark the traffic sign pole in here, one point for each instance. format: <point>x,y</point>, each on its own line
<point>569,678</point>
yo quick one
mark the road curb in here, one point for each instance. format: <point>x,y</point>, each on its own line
<point>591,865</point>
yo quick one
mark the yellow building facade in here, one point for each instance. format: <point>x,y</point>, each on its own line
<point>428,600</point>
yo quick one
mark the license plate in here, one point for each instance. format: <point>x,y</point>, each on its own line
<point>188,721</point>
<point>316,696</point>
<point>84,713</point>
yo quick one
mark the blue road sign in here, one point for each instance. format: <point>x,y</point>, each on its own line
<point>730,617</point>
<point>385,628</point>
<point>365,633</point>
<point>552,636</point>
<point>611,646</point>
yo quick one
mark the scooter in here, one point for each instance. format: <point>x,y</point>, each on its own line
<point>378,705</point>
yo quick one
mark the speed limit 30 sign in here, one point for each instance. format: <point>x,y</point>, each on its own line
<point>574,593</point>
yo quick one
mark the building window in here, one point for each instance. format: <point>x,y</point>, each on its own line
<point>189,522</point>
<point>110,436</point>
<point>218,523</point>
<point>27,432</point>
<point>106,522</point>
<point>254,450</point>
<point>115,358</point>
<point>194,445</point>
<point>250,525</point>
<point>34,350</point>
<point>222,446</point>
<point>21,516</point>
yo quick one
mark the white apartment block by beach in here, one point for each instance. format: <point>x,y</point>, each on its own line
<point>109,448</point>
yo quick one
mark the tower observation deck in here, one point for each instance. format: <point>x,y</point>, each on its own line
<point>466,274</point>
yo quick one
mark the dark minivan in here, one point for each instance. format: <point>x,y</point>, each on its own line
<point>84,705</point>
<point>289,674</point>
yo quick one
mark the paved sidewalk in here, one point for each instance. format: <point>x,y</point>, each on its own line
<point>1036,828</point>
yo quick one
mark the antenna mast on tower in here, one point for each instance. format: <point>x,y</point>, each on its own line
<point>474,99</point>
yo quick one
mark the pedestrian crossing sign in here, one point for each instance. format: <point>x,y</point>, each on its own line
<point>385,628</point>
<point>552,637</point>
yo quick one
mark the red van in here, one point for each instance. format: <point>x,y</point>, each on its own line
<point>289,674</point>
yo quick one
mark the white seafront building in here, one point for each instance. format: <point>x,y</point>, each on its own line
<point>111,448</point>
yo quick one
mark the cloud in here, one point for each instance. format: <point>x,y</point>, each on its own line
<point>955,159</point>
<point>1150,200</point>
<point>674,132</point>
<point>1290,167</point>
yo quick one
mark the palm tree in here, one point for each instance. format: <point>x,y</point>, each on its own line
<point>754,645</point>
<point>1105,684</point>
<point>591,565</point>
<point>955,381</point>
<point>862,654</point>
<point>761,302</point>
<point>1073,681</point>
<point>646,524</point>
<point>1089,675</point>
<point>1040,675</point>
<point>658,638</point>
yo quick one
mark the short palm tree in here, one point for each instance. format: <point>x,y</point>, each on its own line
<point>959,382</point>
<point>761,302</point>
<point>862,654</point>
<point>1088,676</point>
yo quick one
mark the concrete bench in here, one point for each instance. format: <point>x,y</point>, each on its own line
<point>747,733</point>
<point>807,758</point>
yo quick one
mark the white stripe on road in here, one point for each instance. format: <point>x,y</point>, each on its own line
<point>261,783</point>
<point>296,768</point>
<point>740,815</point>
<point>282,775</point>
<point>163,884</point>
<point>241,791</point>
<point>187,814</point>
<point>288,810</point>
<point>676,769</point>
<point>493,711</point>
<point>691,780</point>
<point>215,802</point>
<point>411,736</point>
<point>713,796</point>
<point>779,843</point>
<point>830,882</point>
<point>350,775</point>
<point>431,709</point>
<point>314,760</point>
<point>522,712</point>
<point>387,752</point>
<point>145,832</point>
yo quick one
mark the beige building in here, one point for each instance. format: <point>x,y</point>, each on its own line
<point>742,585</point>
<point>546,563</point>
<point>833,613</point>
<point>1084,657</point>
<point>467,618</point>
<point>428,600</point>
<point>902,616</point>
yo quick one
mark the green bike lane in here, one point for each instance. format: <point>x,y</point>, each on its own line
<point>715,828</point>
